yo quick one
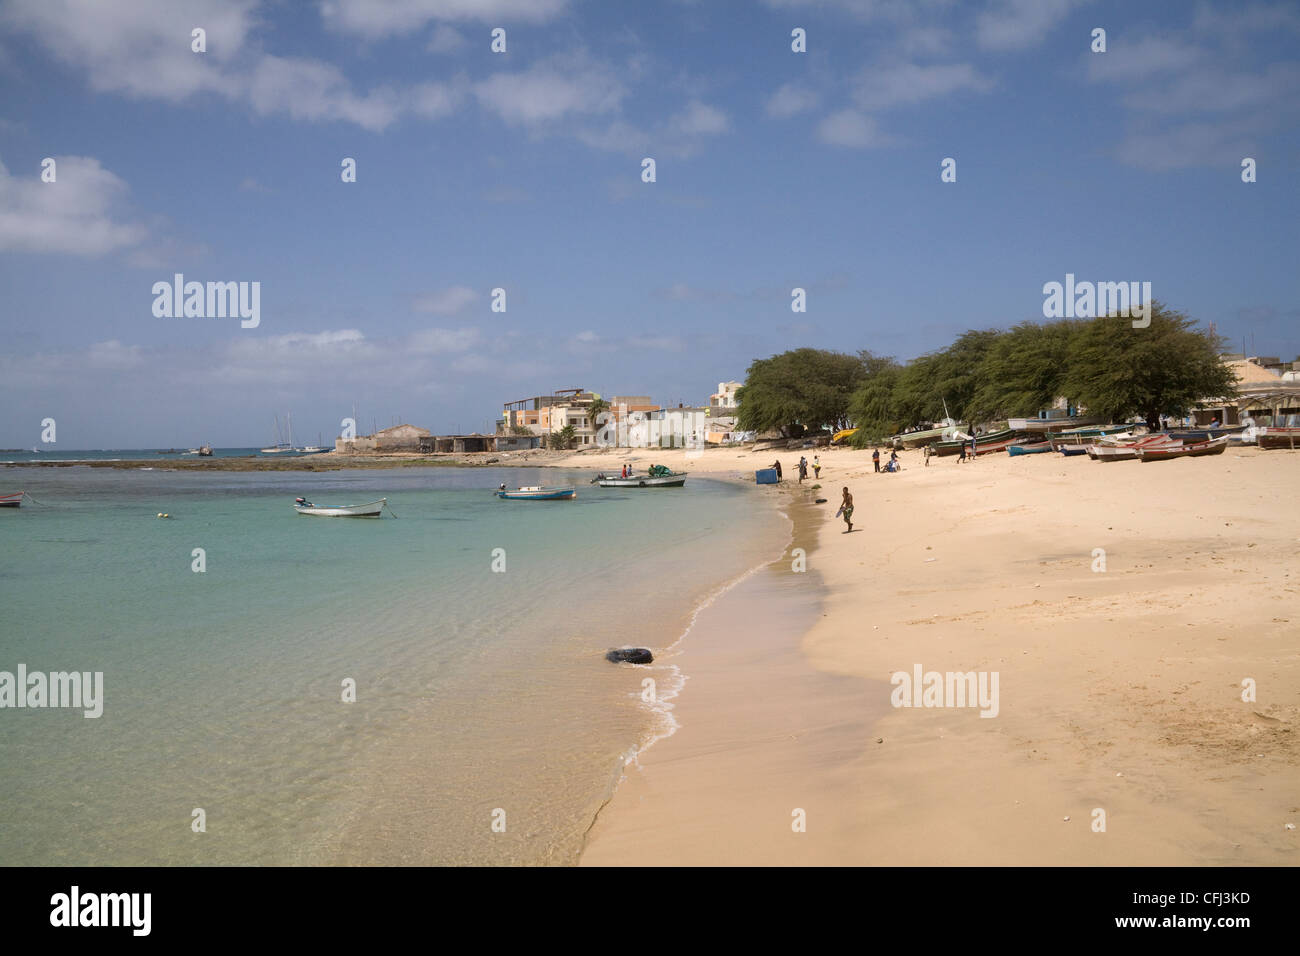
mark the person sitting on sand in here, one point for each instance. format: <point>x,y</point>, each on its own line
<point>846,509</point>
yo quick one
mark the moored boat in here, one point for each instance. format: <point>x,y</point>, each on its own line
<point>1166,451</point>
<point>537,493</point>
<point>371,509</point>
<point>657,476</point>
<point>12,501</point>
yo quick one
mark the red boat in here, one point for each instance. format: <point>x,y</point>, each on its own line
<point>12,501</point>
<point>1215,446</point>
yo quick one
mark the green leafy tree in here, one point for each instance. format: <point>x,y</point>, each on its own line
<point>872,407</point>
<point>949,377</point>
<point>804,387</point>
<point>563,439</point>
<point>1024,370</point>
<point>1118,371</point>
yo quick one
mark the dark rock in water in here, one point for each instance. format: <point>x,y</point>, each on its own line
<point>630,655</point>
<point>820,501</point>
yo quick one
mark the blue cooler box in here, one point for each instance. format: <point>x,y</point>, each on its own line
<point>765,476</point>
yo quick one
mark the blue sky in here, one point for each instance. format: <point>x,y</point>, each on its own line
<point>522,171</point>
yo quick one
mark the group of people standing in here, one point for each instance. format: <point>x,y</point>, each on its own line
<point>803,467</point>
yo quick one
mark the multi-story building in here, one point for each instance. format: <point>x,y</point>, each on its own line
<point>545,414</point>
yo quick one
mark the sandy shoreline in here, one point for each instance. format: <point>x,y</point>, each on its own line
<point>1120,690</point>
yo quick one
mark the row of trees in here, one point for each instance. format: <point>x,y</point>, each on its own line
<point>1105,365</point>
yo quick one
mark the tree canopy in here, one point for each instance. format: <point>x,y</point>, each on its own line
<point>1103,365</point>
<point>808,387</point>
<point>1118,371</point>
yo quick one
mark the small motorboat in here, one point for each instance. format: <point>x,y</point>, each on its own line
<point>371,509</point>
<point>12,501</point>
<point>657,477</point>
<point>537,493</point>
<point>1069,450</point>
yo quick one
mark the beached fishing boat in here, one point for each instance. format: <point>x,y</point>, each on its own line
<point>12,501</point>
<point>945,430</point>
<point>983,448</point>
<point>953,446</point>
<point>1165,451</point>
<point>1029,448</point>
<point>656,477</point>
<point>537,493</point>
<point>1273,436</point>
<point>370,509</point>
<point>1072,450</point>
<point>1126,450</point>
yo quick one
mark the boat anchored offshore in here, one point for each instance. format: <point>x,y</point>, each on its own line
<point>12,501</point>
<point>370,509</point>
<point>658,476</point>
<point>537,493</point>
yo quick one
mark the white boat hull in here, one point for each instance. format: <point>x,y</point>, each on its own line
<point>371,509</point>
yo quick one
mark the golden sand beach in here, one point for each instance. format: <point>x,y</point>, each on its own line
<point>1121,734</point>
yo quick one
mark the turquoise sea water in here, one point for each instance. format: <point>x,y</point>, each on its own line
<point>481,696</point>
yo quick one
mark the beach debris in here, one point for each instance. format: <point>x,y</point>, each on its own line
<point>928,560</point>
<point>1290,826</point>
<point>881,740</point>
<point>1118,774</point>
<point>630,655</point>
<point>820,501</point>
<point>161,515</point>
<point>1067,819</point>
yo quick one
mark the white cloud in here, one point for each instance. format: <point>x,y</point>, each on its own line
<point>903,84</point>
<point>73,215</point>
<point>447,301</point>
<point>698,118</point>
<point>790,100</point>
<point>1146,57</point>
<point>378,18</point>
<point>114,355</point>
<point>142,49</point>
<point>1019,24</point>
<point>551,89</point>
<point>851,128</point>
<point>442,341</point>
<point>311,90</point>
<point>446,39</point>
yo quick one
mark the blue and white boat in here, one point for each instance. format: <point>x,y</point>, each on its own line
<point>537,493</point>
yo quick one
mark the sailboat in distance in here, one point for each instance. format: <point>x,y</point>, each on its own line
<point>281,446</point>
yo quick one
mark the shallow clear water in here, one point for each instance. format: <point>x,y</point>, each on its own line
<point>479,695</point>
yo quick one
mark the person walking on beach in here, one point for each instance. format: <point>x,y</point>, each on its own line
<point>962,456</point>
<point>846,509</point>
<point>777,465</point>
<point>927,456</point>
<point>875,458</point>
<point>803,468</point>
<point>817,466</point>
